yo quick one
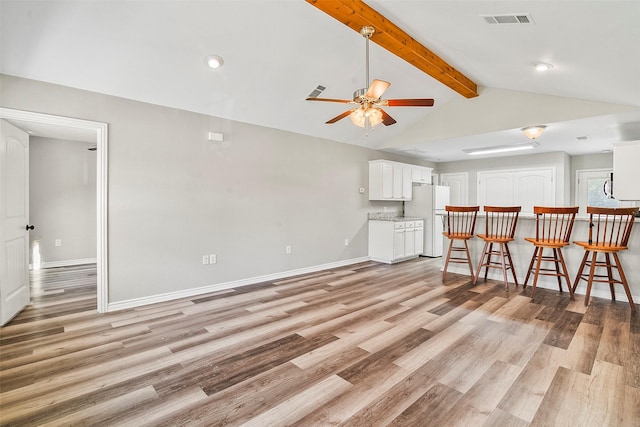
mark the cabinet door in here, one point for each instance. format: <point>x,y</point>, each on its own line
<point>419,239</point>
<point>409,241</point>
<point>398,243</point>
<point>625,170</point>
<point>495,188</point>
<point>534,188</point>
<point>398,171</point>
<point>406,182</point>
<point>387,180</point>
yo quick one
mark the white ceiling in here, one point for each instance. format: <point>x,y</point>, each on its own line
<point>277,52</point>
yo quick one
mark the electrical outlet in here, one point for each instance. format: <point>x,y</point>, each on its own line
<point>213,259</point>
<point>361,190</point>
<point>346,242</point>
<point>58,242</point>
<point>288,249</point>
<point>205,259</point>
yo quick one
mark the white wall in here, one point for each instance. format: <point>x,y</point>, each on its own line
<point>174,196</point>
<point>62,200</point>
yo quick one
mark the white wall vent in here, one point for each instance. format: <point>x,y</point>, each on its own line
<point>513,18</point>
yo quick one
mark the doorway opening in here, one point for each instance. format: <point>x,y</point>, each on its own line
<point>97,131</point>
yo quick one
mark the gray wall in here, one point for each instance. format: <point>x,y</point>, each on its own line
<point>174,196</point>
<point>62,199</point>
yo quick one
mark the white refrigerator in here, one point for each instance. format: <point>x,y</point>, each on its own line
<point>426,202</point>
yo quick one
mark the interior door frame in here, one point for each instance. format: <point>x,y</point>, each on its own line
<point>100,130</point>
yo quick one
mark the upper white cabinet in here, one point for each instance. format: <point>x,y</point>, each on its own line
<point>526,188</point>
<point>392,180</point>
<point>626,157</point>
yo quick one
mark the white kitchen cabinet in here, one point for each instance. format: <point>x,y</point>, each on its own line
<point>393,241</point>
<point>626,156</point>
<point>421,174</point>
<point>393,180</point>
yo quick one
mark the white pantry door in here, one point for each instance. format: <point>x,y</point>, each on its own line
<point>14,217</point>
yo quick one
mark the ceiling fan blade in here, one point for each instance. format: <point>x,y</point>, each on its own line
<point>339,117</point>
<point>376,89</point>
<point>424,102</point>
<point>387,120</point>
<point>342,101</point>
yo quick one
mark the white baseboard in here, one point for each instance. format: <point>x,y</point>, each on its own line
<point>66,263</point>
<point>137,302</point>
<point>549,283</point>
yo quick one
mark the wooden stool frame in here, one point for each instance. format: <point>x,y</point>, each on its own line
<point>500,227</point>
<point>609,231</point>
<point>553,231</point>
<point>461,223</point>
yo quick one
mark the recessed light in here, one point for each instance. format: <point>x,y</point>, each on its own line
<point>213,61</point>
<point>542,66</point>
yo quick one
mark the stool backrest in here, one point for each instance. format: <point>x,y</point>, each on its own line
<point>461,220</point>
<point>554,224</point>
<point>610,227</point>
<point>500,221</point>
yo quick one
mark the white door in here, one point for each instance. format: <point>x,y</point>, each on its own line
<point>534,188</point>
<point>495,188</point>
<point>458,187</point>
<point>14,217</point>
<point>592,189</point>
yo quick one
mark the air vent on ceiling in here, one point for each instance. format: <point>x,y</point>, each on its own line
<point>514,18</point>
<point>582,138</point>
<point>317,91</point>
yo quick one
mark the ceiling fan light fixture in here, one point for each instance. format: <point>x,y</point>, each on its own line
<point>533,132</point>
<point>360,116</point>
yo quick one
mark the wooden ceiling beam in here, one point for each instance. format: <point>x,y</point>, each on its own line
<point>356,14</point>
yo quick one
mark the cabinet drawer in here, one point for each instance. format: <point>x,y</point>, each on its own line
<point>397,225</point>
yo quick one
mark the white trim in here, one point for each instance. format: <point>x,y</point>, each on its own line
<point>101,186</point>
<point>137,302</point>
<point>68,263</point>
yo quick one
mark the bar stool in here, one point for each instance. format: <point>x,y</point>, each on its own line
<point>461,223</point>
<point>609,231</point>
<point>500,227</point>
<point>553,231</point>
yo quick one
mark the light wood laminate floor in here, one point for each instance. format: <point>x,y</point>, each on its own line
<point>364,345</point>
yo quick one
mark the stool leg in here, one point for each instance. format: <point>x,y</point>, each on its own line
<point>466,248</point>
<point>446,263</point>
<point>513,269</point>
<point>591,273</point>
<point>533,258</point>
<point>566,274</point>
<point>558,273</point>
<point>625,284</point>
<point>484,252</point>
<point>504,268</point>
<point>610,275</point>
<point>486,269</point>
<point>535,275</point>
<point>579,275</point>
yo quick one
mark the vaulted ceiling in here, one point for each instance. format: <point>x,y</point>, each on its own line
<point>277,52</point>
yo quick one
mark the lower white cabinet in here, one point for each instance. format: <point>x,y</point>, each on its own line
<point>393,241</point>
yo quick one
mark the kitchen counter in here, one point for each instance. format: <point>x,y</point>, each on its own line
<point>521,252</point>
<point>387,217</point>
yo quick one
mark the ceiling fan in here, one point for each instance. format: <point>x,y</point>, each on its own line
<point>369,111</point>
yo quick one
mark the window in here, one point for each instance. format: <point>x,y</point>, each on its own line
<point>592,189</point>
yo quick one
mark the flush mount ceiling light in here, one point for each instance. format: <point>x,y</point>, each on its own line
<point>533,132</point>
<point>213,61</point>
<point>542,66</point>
<point>501,149</point>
